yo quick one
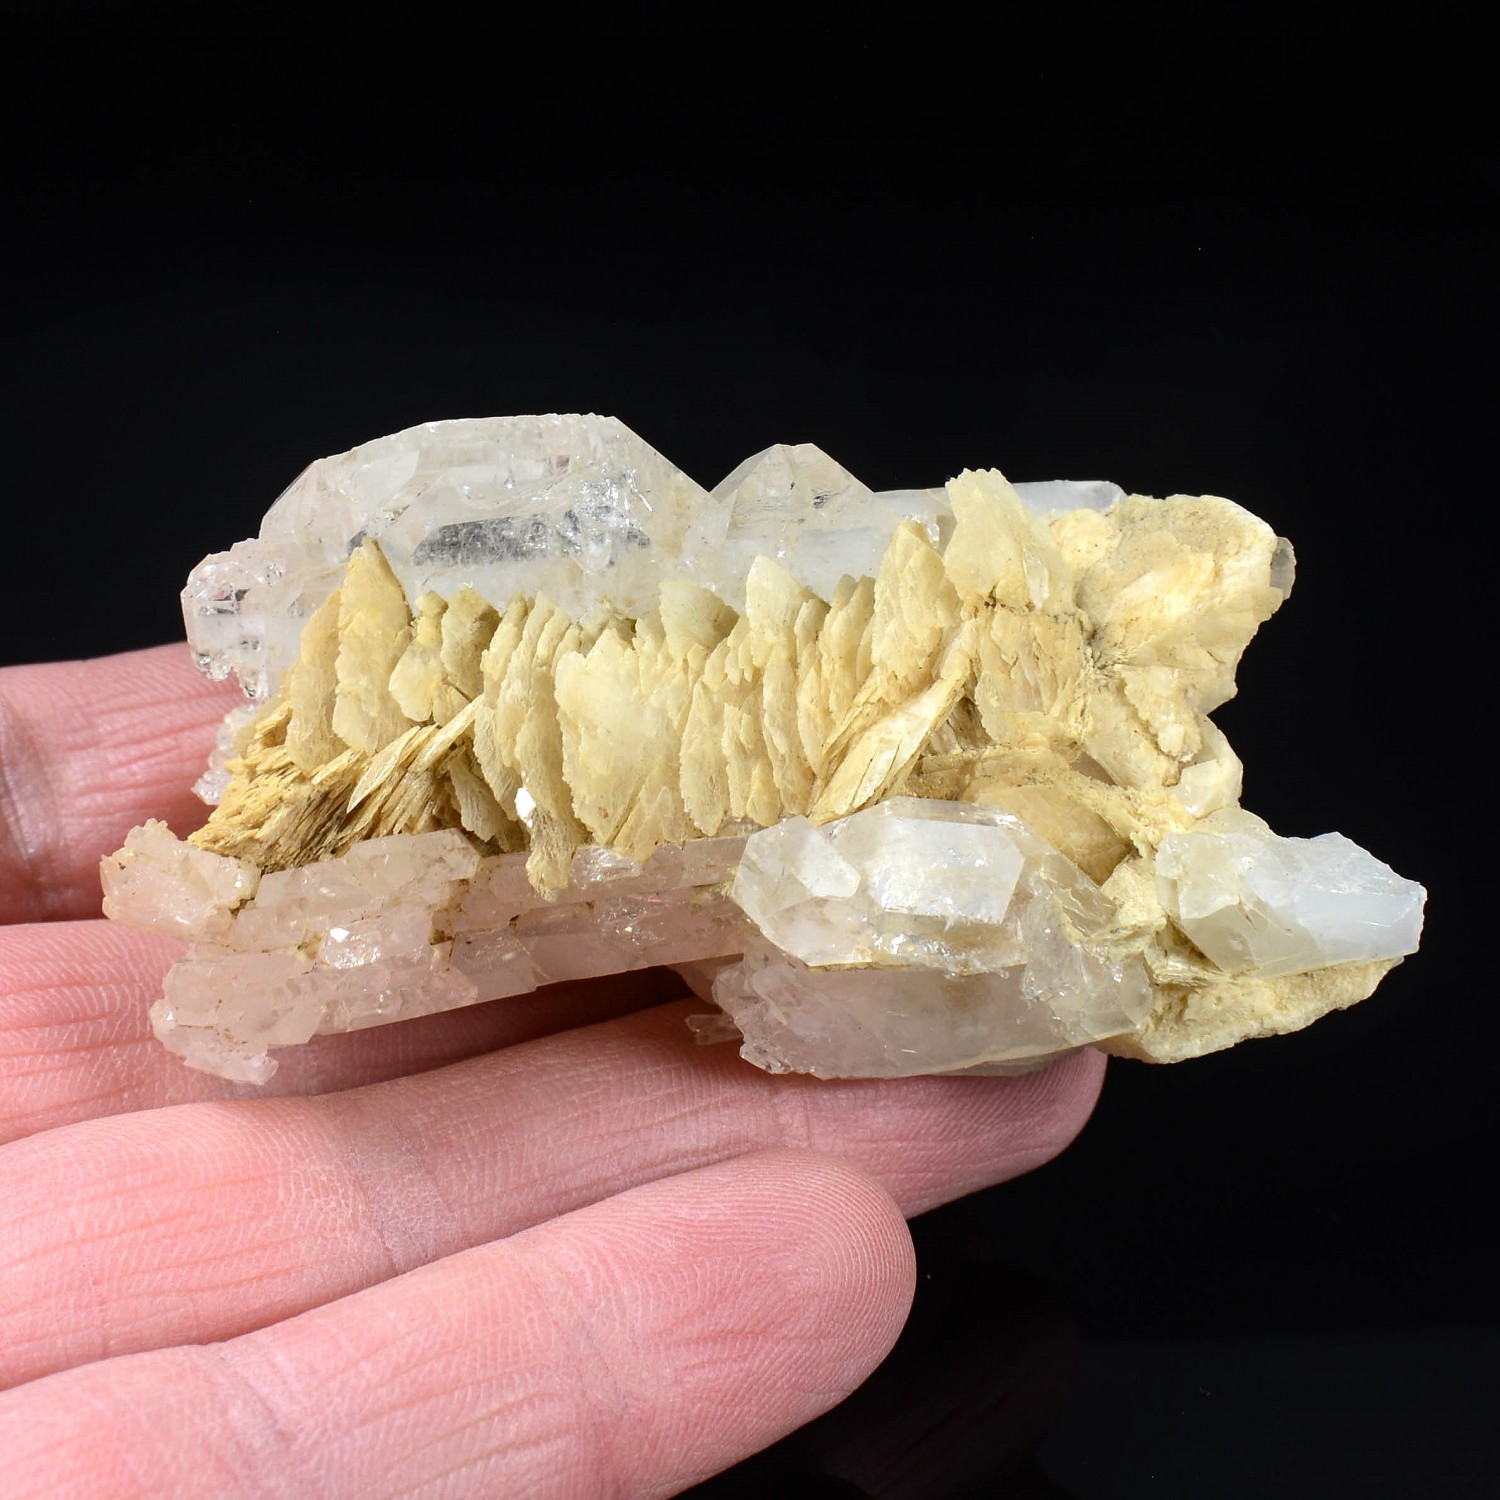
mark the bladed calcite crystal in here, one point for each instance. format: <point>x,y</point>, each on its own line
<point>919,781</point>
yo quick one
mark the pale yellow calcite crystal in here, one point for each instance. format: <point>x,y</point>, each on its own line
<point>1063,671</point>
<point>1024,687</point>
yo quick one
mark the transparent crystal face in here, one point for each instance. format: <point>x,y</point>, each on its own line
<point>993,964</point>
<point>1257,903</point>
<point>808,513</point>
<point>963,939</point>
<point>944,885</point>
<point>576,507</point>
<point>398,927</point>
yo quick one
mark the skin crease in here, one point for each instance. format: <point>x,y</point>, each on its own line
<point>545,1247</point>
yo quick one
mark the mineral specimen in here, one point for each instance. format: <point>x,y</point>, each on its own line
<point>912,782</point>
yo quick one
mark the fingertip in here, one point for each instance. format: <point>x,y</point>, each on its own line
<point>846,1249</point>
<point>805,1277</point>
<point>1024,1123</point>
<point>1064,1098</point>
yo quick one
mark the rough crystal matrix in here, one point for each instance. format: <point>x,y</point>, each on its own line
<point>912,782</point>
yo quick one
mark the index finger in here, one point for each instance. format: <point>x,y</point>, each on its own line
<point>88,749</point>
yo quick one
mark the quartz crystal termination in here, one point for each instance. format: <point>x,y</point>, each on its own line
<point>913,782</point>
<point>506,506</point>
<point>1006,944</point>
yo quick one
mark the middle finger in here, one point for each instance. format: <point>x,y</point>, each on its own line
<point>204,1221</point>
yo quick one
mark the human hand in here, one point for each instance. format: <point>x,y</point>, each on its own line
<point>545,1246</point>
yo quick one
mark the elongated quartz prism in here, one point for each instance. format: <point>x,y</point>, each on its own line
<point>920,781</point>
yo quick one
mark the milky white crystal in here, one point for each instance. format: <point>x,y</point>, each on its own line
<point>160,884</point>
<point>398,927</point>
<point>1257,903</point>
<point>896,1023</point>
<point>413,924</point>
<point>962,938</point>
<point>914,781</point>
<point>943,885</point>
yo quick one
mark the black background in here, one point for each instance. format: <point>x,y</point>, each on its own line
<point>1232,261</point>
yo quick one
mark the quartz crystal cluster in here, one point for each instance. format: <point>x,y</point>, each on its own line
<point>906,782</point>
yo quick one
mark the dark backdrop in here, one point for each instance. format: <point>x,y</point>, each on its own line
<point>1253,270</point>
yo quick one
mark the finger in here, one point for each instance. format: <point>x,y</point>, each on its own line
<point>88,749</point>
<point>630,1348</point>
<point>76,1042</point>
<point>204,1221</point>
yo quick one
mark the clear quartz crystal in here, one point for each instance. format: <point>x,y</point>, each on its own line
<point>576,507</point>
<point>910,881</point>
<point>808,513</point>
<point>209,787</point>
<point>898,1023</point>
<point>398,927</point>
<point>957,924</point>
<point>1257,903</point>
<point>963,937</point>
<point>1056,497</point>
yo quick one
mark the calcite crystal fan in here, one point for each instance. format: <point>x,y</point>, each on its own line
<point>920,781</point>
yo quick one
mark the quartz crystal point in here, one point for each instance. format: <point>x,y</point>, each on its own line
<point>920,781</point>
<point>505,505</point>
<point>962,939</point>
<point>1256,903</point>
